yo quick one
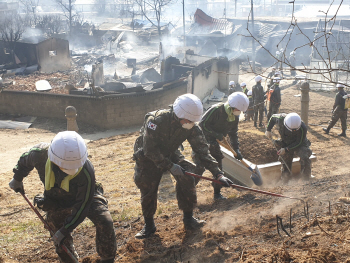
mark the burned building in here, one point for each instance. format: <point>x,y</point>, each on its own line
<point>49,54</point>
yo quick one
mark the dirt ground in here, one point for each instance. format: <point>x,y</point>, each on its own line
<point>242,228</point>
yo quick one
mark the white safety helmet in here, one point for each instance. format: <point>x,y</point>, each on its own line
<point>258,78</point>
<point>281,50</point>
<point>250,93</point>
<point>277,73</point>
<point>68,150</point>
<point>277,53</point>
<point>243,84</point>
<point>339,85</point>
<point>292,121</point>
<point>231,83</point>
<point>239,101</point>
<point>276,79</point>
<point>188,106</point>
<point>292,53</point>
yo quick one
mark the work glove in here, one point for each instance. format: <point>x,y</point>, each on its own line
<point>177,170</point>
<point>282,151</point>
<point>268,134</point>
<point>16,186</point>
<point>224,180</point>
<point>238,155</point>
<point>345,97</point>
<point>57,238</point>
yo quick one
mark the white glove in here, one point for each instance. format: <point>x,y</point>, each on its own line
<point>268,134</point>
<point>16,185</point>
<point>345,97</point>
<point>281,151</point>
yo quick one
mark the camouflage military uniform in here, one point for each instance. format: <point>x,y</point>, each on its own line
<point>339,111</point>
<point>258,98</point>
<point>66,210</point>
<point>294,143</point>
<point>215,125</point>
<point>156,150</point>
<point>275,101</point>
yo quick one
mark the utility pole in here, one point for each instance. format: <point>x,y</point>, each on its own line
<point>183,21</point>
<point>253,32</point>
<point>235,8</point>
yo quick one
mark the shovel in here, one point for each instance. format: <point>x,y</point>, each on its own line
<point>70,254</point>
<point>255,176</point>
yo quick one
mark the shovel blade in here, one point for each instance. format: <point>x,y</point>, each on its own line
<point>256,177</point>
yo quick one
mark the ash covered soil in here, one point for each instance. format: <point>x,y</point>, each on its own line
<point>240,229</point>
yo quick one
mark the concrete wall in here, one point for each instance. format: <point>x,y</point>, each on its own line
<point>110,112</point>
<point>196,59</point>
<point>233,71</point>
<point>50,62</point>
<point>205,78</point>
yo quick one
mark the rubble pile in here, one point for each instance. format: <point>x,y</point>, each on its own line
<point>57,80</point>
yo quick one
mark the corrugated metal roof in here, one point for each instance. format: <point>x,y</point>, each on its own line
<point>207,25</point>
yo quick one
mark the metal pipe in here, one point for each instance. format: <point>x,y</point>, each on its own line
<point>243,187</point>
<point>70,254</point>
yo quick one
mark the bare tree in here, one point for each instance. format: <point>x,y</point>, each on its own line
<point>50,24</point>
<point>11,29</point>
<point>67,7</point>
<point>329,51</point>
<point>30,7</point>
<point>150,7</point>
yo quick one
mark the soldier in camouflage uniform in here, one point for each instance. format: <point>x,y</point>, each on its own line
<point>71,192</point>
<point>156,151</point>
<point>339,111</point>
<point>293,140</point>
<point>274,97</point>
<point>219,121</point>
<point>258,98</point>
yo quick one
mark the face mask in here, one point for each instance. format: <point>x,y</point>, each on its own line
<point>236,113</point>
<point>69,172</point>
<point>188,126</point>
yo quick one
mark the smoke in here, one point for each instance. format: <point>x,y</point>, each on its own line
<point>228,220</point>
<point>34,34</point>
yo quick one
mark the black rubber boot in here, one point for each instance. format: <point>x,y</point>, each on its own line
<point>326,130</point>
<point>111,260</point>
<point>191,223</point>
<point>147,230</point>
<point>261,124</point>
<point>255,124</point>
<point>343,134</point>
<point>218,195</point>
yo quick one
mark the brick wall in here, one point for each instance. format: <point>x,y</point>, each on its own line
<point>110,112</point>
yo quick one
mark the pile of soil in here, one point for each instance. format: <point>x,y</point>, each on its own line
<point>256,147</point>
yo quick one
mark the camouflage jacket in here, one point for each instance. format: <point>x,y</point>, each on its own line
<point>81,187</point>
<point>290,140</point>
<point>162,135</point>
<point>214,122</point>
<point>258,93</point>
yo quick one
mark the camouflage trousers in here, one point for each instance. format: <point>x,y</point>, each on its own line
<point>214,149</point>
<point>303,152</point>
<point>259,110</point>
<point>249,114</point>
<point>147,178</point>
<point>273,109</point>
<point>339,114</point>
<point>106,245</point>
